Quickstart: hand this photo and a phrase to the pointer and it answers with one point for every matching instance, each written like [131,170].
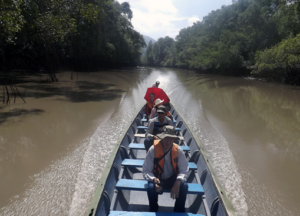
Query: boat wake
[50,190]
[216,147]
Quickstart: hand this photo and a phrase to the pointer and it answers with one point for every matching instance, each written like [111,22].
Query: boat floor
[139,202]
[140,154]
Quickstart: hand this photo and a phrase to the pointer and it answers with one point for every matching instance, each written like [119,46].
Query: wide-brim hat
[158,101]
[168,131]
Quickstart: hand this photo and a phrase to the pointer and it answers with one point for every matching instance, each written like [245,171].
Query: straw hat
[158,101]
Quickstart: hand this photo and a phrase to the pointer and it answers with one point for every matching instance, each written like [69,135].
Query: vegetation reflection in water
[280,112]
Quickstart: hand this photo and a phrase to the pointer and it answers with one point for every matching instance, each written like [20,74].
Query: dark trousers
[148,143]
[167,184]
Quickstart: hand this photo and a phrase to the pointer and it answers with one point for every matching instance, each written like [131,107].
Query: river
[54,148]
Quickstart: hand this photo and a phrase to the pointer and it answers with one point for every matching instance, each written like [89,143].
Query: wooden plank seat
[139,163]
[142,185]
[145,120]
[145,128]
[140,135]
[125,213]
[144,136]
[141,146]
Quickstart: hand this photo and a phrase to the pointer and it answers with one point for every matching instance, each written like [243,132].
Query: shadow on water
[93,86]
[76,91]
[4,116]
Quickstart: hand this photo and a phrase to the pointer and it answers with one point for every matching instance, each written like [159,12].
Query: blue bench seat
[124,213]
[145,128]
[141,146]
[139,163]
[142,185]
[142,127]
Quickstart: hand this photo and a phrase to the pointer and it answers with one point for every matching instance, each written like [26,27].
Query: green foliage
[227,40]
[11,19]
[126,10]
[281,62]
[156,53]
[84,34]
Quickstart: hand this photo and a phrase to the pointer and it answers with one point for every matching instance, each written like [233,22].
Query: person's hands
[175,189]
[155,137]
[157,187]
[156,181]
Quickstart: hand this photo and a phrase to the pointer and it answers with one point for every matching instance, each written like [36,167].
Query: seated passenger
[149,105]
[157,103]
[155,126]
[169,115]
[155,85]
[166,167]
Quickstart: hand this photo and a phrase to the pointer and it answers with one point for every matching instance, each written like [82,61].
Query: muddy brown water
[54,148]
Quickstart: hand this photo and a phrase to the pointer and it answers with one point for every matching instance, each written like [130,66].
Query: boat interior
[125,190]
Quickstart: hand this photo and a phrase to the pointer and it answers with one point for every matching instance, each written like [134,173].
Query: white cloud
[159,18]
[155,24]
[154,6]
[192,20]
[155,18]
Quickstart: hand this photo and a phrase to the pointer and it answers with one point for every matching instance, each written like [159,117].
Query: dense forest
[44,36]
[78,34]
[260,37]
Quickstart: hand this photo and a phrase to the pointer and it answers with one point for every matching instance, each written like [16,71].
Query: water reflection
[54,148]
[258,110]
[75,91]
[5,116]
[260,121]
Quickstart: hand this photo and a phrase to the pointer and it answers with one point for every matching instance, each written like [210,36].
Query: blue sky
[160,18]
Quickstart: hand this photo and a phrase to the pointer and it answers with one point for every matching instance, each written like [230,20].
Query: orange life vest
[168,114]
[158,153]
[150,105]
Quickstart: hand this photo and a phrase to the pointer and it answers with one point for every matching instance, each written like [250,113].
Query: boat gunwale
[219,188]
[99,190]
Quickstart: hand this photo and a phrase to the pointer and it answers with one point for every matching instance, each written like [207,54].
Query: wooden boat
[123,191]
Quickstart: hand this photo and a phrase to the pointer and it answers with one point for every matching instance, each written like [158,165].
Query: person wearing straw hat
[157,103]
[155,126]
[166,167]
